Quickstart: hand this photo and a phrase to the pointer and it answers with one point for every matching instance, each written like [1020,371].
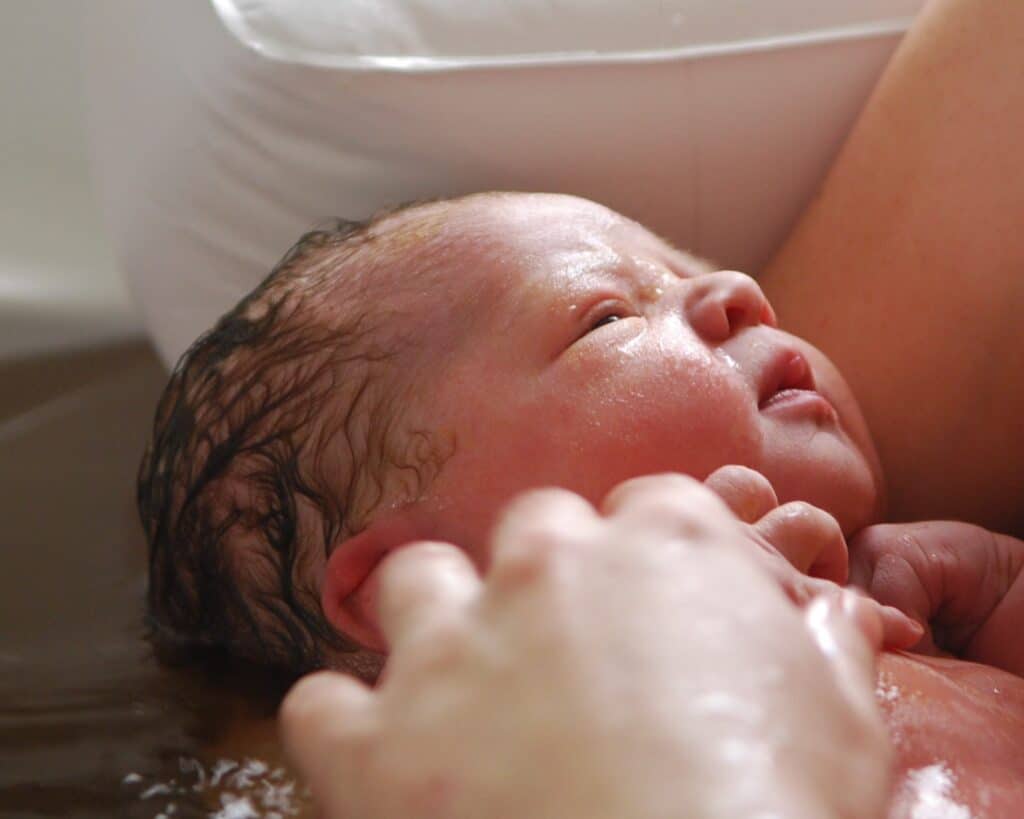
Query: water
[90,724]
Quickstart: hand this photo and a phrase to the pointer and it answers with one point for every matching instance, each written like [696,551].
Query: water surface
[90,724]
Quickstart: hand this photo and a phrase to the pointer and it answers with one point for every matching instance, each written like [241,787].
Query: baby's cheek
[688,413]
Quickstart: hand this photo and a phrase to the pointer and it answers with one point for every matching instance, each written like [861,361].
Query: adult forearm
[908,267]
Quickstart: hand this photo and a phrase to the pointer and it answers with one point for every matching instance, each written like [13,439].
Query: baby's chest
[958,730]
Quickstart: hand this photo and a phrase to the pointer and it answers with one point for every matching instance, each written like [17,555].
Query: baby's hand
[961,582]
[803,548]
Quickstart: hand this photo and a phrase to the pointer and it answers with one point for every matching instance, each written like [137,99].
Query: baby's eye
[601,322]
[602,315]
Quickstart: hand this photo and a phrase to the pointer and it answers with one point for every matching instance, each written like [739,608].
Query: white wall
[58,283]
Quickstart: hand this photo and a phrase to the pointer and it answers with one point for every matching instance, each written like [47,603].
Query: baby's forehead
[506,241]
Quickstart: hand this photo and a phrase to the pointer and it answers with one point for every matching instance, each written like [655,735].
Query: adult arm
[633,663]
[907,269]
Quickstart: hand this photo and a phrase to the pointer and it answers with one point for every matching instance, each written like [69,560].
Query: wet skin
[940,712]
[571,347]
[966,717]
[579,351]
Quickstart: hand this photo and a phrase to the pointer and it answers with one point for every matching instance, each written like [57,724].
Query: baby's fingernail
[916,631]
[911,624]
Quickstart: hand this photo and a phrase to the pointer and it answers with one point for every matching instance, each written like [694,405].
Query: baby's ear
[349,593]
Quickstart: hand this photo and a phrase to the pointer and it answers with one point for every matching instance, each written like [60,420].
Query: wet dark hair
[273,438]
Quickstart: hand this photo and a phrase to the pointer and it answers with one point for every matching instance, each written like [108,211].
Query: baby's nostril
[735,316]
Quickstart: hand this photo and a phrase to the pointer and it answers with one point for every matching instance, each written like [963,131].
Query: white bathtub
[59,288]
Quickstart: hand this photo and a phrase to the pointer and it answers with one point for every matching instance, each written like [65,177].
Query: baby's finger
[900,632]
[421,581]
[321,720]
[748,493]
[809,538]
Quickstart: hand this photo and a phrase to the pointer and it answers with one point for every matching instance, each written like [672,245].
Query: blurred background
[82,706]
[58,284]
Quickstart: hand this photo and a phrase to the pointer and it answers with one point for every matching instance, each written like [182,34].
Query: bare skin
[916,233]
[915,240]
[940,712]
[545,365]
[956,721]
[623,636]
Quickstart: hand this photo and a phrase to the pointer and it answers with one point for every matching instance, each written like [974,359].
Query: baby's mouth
[788,381]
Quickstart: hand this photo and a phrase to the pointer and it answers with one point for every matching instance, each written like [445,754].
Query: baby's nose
[720,304]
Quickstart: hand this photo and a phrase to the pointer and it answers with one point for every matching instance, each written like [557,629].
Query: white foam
[247,789]
[932,789]
[886,693]
[236,807]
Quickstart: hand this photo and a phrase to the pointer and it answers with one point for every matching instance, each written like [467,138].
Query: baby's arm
[961,582]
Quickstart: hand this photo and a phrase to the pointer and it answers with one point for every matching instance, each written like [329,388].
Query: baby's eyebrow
[695,264]
[689,264]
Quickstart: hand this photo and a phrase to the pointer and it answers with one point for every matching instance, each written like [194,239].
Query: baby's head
[401,379]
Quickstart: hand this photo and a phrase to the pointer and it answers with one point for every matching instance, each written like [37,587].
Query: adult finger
[676,502]
[321,720]
[848,631]
[900,632]
[809,538]
[533,528]
[849,635]
[422,581]
[747,492]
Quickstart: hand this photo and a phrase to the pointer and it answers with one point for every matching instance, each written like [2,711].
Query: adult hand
[629,662]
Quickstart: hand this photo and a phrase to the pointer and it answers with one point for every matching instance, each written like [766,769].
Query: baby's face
[589,351]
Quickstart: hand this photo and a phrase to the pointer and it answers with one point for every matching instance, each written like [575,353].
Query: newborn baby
[403,379]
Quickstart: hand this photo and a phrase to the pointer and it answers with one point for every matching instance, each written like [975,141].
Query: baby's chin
[847,488]
[838,469]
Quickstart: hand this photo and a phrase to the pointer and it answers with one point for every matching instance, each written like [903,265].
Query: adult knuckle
[544,504]
[647,486]
[670,497]
[685,486]
[450,632]
[539,532]
[442,645]
[544,514]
